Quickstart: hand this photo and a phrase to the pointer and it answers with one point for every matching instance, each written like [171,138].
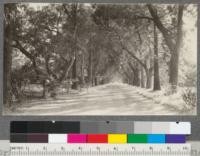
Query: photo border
[194,119]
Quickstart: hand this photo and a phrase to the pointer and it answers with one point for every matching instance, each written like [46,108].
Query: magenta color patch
[77,138]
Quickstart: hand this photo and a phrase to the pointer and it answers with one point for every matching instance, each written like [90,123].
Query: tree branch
[163,30]
[28,55]
[129,52]
[23,50]
[143,17]
[67,70]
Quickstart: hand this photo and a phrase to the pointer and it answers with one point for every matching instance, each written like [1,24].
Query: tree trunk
[174,47]
[74,70]
[74,75]
[142,78]
[7,74]
[148,72]
[148,78]
[44,89]
[82,70]
[156,85]
[136,77]
[66,71]
[8,63]
[90,69]
[126,75]
[174,61]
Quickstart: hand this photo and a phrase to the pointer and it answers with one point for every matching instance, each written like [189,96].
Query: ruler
[33,149]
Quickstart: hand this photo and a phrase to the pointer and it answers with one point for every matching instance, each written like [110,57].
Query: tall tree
[90,66]
[172,42]
[74,26]
[8,26]
[156,85]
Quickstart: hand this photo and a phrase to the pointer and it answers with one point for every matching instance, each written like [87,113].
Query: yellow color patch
[117,138]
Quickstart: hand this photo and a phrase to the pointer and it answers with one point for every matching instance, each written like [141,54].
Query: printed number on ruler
[19,149]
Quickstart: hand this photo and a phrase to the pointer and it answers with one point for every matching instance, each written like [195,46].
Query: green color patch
[137,138]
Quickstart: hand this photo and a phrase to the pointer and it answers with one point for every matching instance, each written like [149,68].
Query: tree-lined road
[110,99]
[69,45]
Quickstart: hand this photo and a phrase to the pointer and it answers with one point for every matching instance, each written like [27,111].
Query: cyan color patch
[156,138]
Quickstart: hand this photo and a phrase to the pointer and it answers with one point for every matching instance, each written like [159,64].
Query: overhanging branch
[128,51]
[160,26]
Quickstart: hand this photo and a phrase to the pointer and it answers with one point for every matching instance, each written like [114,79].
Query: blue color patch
[156,138]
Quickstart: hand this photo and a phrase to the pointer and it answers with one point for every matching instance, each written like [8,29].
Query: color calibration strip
[97,138]
[100,127]
[111,132]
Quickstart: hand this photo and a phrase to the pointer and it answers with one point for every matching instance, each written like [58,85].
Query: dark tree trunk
[44,89]
[148,72]
[126,75]
[82,70]
[8,61]
[136,77]
[90,69]
[74,68]
[174,61]
[142,78]
[49,71]
[74,75]
[7,71]
[148,78]
[156,85]
[174,47]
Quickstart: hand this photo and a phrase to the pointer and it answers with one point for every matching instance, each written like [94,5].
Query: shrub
[190,97]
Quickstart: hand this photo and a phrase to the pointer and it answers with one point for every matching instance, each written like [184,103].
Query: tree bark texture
[174,60]
[156,83]
[8,58]
[173,45]
[74,68]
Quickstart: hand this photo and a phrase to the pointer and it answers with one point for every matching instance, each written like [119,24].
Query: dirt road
[109,99]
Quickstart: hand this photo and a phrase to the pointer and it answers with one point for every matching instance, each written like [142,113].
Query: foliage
[80,42]
[190,97]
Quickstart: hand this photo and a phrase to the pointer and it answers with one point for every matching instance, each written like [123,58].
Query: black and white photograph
[100,59]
